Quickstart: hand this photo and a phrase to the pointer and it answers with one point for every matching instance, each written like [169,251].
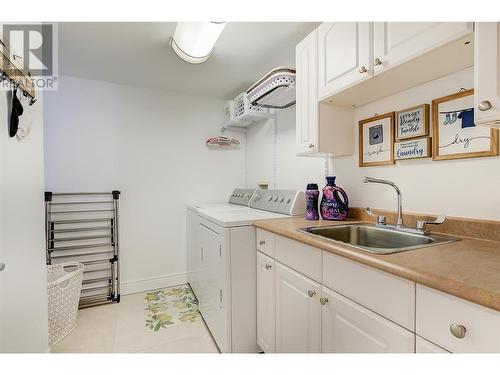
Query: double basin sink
[378,240]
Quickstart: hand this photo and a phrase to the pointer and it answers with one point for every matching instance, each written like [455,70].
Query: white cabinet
[397,42]
[307,94]
[350,328]
[298,312]
[322,129]
[487,74]
[424,346]
[266,303]
[344,55]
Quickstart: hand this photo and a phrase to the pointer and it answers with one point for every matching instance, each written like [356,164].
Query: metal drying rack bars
[83,227]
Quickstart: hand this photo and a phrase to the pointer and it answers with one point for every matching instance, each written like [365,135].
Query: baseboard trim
[143,285]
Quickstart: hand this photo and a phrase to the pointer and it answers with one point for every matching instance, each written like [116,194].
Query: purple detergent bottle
[334,203]
[312,197]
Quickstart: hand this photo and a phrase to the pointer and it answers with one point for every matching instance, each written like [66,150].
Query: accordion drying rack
[83,227]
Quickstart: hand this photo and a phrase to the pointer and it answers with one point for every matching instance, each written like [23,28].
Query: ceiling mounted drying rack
[12,71]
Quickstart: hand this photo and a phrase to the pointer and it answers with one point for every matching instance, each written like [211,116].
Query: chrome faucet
[367,180]
[421,227]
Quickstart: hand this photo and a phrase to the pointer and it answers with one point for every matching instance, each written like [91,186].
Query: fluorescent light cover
[194,41]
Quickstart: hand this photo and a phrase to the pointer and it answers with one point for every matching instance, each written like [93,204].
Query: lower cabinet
[298,312]
[266,303]
[350,328]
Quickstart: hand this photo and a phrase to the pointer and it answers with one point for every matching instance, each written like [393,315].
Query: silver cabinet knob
[458,331]
[268,266]
[262,242]
[484,106]
[311,293]
[311,145]
[377,62]
[323,300]
[363,69]
[2,266]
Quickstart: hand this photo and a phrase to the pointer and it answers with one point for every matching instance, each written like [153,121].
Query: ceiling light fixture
[194,41]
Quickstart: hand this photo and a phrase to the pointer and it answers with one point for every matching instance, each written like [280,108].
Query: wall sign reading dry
[455,135]
[412,122]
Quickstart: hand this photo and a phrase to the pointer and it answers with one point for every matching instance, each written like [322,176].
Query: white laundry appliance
[222,261]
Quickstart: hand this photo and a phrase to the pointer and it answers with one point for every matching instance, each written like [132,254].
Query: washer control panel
[241,196]
[287,202]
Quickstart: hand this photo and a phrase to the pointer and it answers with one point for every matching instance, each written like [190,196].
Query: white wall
[23,286]
[463,188]
[150,145]
[271,155]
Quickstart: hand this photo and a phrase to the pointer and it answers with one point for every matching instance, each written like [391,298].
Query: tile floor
[121,328]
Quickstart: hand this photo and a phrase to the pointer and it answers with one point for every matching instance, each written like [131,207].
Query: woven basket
[64,285]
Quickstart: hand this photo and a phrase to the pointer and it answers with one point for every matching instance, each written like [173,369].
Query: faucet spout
[367,180]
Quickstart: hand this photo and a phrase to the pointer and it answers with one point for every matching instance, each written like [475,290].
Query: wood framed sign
[412,122]
[413,149]
[455,135]
[376,140]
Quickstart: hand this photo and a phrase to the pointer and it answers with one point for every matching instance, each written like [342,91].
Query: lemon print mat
[170,306]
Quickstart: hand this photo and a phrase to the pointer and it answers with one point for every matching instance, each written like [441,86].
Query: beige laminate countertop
[469,269]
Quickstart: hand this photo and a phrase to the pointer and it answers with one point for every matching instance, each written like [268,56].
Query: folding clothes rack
[83,227]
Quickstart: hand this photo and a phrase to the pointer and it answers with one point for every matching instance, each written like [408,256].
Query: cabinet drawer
[388,295]
[265,242]
[301,257]
[437,312]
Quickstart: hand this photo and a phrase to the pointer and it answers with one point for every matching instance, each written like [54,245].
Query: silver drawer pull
[268,266]
[363,69]
[458,331]
[311,293]
[262,242]
[2,266]
[377,62]
[323,300]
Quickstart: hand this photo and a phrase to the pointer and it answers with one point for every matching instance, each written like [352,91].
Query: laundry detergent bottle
[312,197]
[334,203]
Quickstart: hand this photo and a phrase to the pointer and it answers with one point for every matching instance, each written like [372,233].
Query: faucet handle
[421,224]
[381,220]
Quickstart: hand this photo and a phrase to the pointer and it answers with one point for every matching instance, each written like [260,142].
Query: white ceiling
[139,54]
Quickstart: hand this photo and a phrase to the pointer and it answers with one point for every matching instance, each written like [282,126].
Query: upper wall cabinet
[397,42]
[344,55]
[321,129]
[487,74]
[307,94]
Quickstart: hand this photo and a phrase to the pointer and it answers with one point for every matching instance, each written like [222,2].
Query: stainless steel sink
[378,240]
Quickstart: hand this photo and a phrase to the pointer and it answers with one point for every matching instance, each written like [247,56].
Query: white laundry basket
[64,285]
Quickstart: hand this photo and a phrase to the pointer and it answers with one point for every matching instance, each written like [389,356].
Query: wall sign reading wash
[413,149]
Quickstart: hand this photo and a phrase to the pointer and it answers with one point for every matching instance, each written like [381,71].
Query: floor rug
[169,306]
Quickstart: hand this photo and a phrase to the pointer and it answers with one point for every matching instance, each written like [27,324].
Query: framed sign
[376,140]
[413,149]
[456,136]
[412,122]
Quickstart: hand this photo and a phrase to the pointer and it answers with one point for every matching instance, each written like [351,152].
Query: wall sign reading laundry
[413,149]
[456,136]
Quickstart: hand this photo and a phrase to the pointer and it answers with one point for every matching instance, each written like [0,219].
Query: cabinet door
[350,328]
[397,42]
[307,95]
[266,303]
[344,55]
[487,74]
[424,346]
[298,312]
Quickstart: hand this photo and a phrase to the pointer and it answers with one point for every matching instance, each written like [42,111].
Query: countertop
[469,269]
